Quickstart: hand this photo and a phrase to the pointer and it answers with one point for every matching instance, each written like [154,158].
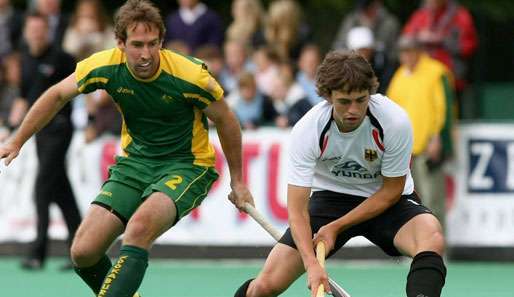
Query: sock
[126,275]
[94,275]
[426,276]
[241,292]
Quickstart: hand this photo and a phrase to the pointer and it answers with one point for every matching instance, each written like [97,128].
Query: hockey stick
[337,290]
[320,255]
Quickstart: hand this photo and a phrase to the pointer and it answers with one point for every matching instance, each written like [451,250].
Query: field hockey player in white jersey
[349,176]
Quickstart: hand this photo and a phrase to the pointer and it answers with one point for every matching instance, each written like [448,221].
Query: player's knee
[429,238]
[434,242]
[82,256]
[438,241]
[138,232]
[265,286]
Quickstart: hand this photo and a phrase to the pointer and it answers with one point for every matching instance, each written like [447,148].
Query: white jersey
[323,158]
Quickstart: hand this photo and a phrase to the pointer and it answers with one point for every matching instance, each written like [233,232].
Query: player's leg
[283,266]
[154,217]
[151,219]
[421,233]
[93,238]
[104,222]
[284,263]
[409,228]
[169,199]
[422,239]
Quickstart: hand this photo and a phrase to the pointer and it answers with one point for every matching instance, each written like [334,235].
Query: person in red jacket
[448,34]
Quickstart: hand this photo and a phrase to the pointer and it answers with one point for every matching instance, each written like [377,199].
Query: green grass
[174,278]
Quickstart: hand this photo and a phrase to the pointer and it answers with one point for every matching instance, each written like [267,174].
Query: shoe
[32,264]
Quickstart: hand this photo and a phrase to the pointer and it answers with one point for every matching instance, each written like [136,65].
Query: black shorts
[326,206]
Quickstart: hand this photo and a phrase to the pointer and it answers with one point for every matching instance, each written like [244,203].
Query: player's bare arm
[385,197]
[299,222]
[43,110]
[229,133]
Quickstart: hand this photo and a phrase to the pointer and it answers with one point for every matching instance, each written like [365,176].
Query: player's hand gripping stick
[337,290]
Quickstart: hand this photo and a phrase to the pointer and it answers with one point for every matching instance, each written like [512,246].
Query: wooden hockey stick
[320,255]
[337,290]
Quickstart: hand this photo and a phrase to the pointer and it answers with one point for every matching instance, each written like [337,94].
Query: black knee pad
[241,292]
[426,276]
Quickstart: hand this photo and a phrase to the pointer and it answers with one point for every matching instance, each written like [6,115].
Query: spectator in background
[447,33]
[103,116]
[422,86]
[361,40]
[90,31]
[289,99]
[42,66]
[371,14]
[212,57]
[181,47]
[252,108]
[248,19]
[57,20]
[285,31]
[266,68]
[195,24]
[307,65]
[9,91]
[236,61]
[11,22]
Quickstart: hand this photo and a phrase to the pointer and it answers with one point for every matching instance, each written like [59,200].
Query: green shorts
[131,181]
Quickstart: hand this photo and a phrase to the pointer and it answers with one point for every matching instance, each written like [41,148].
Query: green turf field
[177,278]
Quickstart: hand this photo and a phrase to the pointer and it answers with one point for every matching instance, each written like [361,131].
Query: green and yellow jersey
[162,115]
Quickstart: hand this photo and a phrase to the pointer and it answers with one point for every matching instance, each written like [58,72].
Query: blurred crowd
[265,58]
[266,61]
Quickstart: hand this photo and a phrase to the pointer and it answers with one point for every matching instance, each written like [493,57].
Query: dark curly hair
[345,71]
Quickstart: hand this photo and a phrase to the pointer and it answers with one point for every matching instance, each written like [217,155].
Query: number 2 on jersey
[172,183]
